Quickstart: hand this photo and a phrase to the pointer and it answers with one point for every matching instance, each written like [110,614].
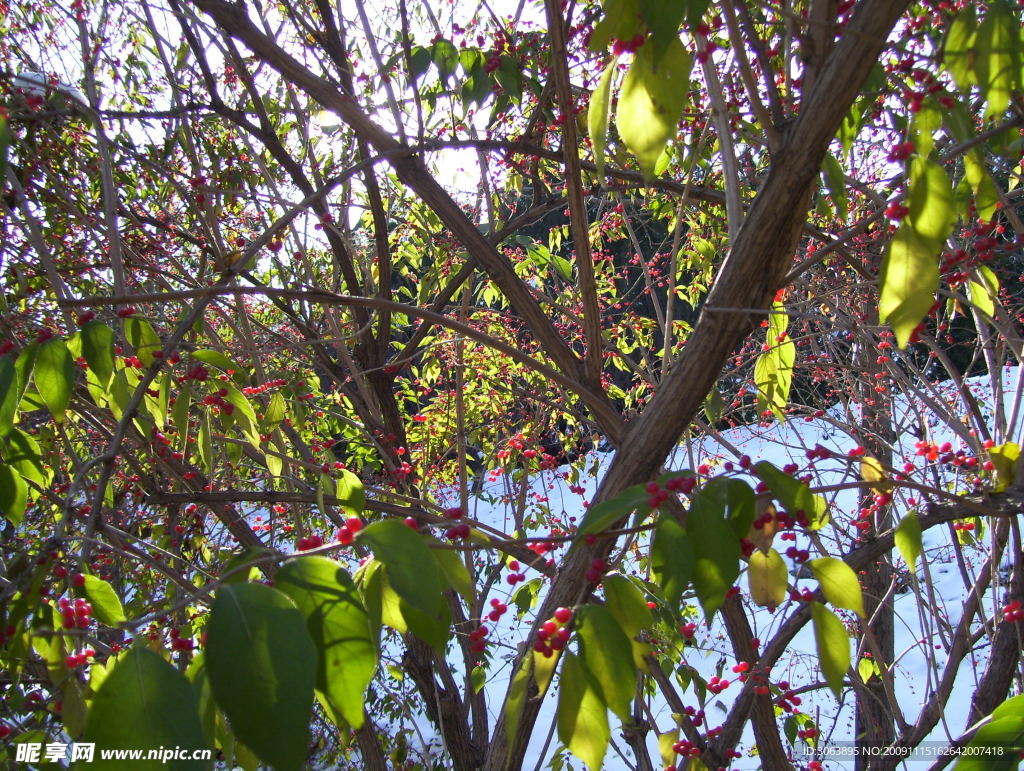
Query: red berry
[78,579]
[563,615]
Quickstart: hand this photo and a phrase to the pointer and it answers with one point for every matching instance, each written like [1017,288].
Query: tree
[284,407]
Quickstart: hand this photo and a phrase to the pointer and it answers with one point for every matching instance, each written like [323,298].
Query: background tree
[374,283]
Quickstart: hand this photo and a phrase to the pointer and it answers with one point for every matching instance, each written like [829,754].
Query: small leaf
[339,626]
[836,181]
[13,494]
[221,362]
[866,668]
[478,678]
[262,668]
[597,115]
[838,583]
[1004,458]
[608,657]
[243,414]
[909,278]
[98,350]
[833,643]
[672,559]
[908,538]
[145,702]
[651,101]
[582,715]
[54,374]
[106,605]
[767,578]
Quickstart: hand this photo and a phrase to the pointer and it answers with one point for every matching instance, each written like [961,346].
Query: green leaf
[931,202]
[455,573]
[838,583]
[597,115]
[908,538]
[13,494]
[275,413]
[997,744]
[143,338]
[866,668]
[621,21]
[478,678]
[262,668]
[835,180]
[984,292]
[582,715]
[1004,457]
[608,657]
[243,414]
[716,552]
[414,574]
[350,493]
[98,350]
[627,604]
[651,101]
[909,278]
[959,49]
[833,643]
[773,371]
[420,61]
[662,19]
[732,498]
[516,699]
[106,605]
[144,702]
[767,578]
[794,495]
[340,628]
[54,374]
[986,194]
[24,456]
[601,516]
[9,396]
[672,559]
[995,48]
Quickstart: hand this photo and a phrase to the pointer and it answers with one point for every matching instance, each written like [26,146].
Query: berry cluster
[554,633]
[309,542]
[498,609]
[254,390]
[75,614]
[1013,612]
[515,575]
[76,660]
[347,532]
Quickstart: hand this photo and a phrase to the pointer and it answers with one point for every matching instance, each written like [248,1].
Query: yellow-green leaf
[833,644]
[959,54]
[909,278]
[597,115]
[582,715]
[994,65]
[931,202]
[607,655]
[54,373]
[767,578]
[838,583]
[651,101]
[983,289]
[871,471]
[908,538]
